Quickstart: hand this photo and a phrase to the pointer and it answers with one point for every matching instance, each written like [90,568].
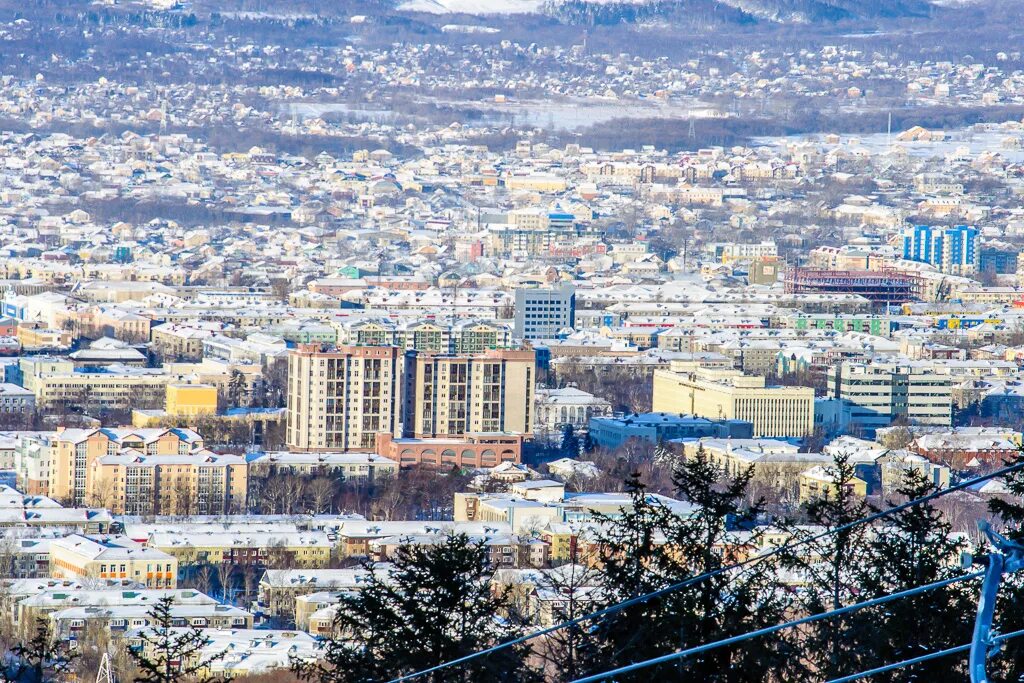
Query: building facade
[883,392]
[955,250]
[543,313]
[451,395]
[340,397]
[774,411]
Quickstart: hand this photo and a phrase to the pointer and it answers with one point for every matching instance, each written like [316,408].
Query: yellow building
[36,336]
[74,451]
[179,342]
[298,550]
[820,481]
[111,557]
[190,400]
[775,411]
[201,482]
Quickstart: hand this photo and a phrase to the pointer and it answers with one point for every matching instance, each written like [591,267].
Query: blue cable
[923,658]
[708,575]
[778,627]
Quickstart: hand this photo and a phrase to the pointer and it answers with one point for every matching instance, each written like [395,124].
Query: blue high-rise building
[951,250]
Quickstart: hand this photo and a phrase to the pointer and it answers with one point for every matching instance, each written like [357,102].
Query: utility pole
[106,673]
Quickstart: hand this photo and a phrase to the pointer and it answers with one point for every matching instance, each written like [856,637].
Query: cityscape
[511,341]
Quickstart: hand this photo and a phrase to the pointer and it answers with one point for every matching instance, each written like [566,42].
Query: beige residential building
[204,483]
[55,383]
[112,557]
[180,342]
[452,395]
[775,411]
[74,452]
[340,397]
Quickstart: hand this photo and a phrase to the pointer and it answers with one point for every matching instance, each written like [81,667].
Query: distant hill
[620,11]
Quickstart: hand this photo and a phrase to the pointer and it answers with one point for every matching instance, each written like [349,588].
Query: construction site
[882,287]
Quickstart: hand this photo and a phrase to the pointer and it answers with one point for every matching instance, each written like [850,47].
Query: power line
[923,658]
[778,627]
[711,574]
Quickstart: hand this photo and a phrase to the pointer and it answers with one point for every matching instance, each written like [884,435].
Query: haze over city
[516,341]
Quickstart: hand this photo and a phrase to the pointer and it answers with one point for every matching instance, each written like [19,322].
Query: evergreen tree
[39,660]
[653,546]
[166,654]
[434,604]
[833,647]
[913,548]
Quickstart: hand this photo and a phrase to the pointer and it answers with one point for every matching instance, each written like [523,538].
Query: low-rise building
[112,557]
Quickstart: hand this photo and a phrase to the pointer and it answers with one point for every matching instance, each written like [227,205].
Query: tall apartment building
[544,313]
[955,250]
[881,392]
[726,394]
[465,336]
[340,397]
[456,394]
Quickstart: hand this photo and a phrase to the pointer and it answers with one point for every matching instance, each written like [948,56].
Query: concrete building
[200,482]
[774,411]
[340,397]
[15,399]
[884,391]
[451,395]
[544,313]
[74,451]
[352,466]
[820,481]
[954,250]
[469,450]
[190,400]
[612,432]
[112,557]
[568,406]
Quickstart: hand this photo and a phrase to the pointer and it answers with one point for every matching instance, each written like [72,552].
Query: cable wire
[672,656]
[923,658]
[611,609]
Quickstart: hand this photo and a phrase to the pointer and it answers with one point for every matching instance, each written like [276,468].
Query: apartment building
[352,466]
[306,550]
[879,392]
[55,382]
[72,453]
[181,342]
[820,481]
[28,610]
[15,399]
[465,336]
[73,623]
[955,250]
[112,557]
[201,482]
[279,588]
[452,395]
[340,397]
[725,394]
